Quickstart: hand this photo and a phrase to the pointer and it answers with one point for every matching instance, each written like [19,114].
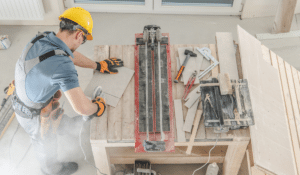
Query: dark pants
[45,148]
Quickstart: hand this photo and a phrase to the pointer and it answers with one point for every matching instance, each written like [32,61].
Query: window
[122,2]
[218,3]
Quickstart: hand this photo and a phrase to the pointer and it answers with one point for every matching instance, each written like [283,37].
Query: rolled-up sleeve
[66,76]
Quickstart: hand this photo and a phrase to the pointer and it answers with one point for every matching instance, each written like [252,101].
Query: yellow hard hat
[81,17]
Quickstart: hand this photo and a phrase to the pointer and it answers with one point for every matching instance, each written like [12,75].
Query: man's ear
[78,34]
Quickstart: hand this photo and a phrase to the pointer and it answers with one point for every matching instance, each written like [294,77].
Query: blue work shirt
[56,72]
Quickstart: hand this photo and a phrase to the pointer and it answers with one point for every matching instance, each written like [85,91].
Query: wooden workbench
[112,135]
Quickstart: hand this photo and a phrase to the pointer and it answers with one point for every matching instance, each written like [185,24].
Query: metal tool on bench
[206,52]
[189,85]
[152,33]
[143,167]
[188,54]
[225,112]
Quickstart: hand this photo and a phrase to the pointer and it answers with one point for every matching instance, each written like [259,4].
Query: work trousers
[45,148]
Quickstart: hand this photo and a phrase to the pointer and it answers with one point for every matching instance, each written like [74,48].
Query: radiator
[21,10]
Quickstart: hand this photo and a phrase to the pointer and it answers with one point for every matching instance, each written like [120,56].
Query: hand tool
[188,54]
[97,93]
[189,85]
[8,91]
[206,52]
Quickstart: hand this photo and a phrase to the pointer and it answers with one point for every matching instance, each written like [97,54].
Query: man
[45,67]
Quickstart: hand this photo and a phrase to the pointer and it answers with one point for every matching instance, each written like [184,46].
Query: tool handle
[179,74]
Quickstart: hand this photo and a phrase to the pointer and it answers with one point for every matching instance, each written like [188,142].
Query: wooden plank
[266,54]
[274,61]
[190,117]
[297,89]
[255,171]
[233,159]
[248,162]
[293,96]
[295,73]
[238,62]
[115,114]
[100,132]
[93,126]
[174,86]
[7,125]
[201,130]
[128,97]
[284,16]
[269,135]
[226,53]
[225,84]
[179,86]
[179,121]
[195,128]
[169,160]
[289,110]
[102,159]
[216,70]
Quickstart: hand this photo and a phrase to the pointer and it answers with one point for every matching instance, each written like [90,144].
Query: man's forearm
[82,61]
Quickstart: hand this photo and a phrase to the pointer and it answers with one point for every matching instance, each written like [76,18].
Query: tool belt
[23,110]
[49,114]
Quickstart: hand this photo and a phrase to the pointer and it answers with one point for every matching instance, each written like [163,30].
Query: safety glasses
[84,39]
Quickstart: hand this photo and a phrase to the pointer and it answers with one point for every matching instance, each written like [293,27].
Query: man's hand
[108,66]
[100,102]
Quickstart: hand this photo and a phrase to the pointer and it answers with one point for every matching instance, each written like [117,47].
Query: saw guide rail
[154,104]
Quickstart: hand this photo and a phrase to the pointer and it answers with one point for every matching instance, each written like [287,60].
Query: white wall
[262,8]
[53,8]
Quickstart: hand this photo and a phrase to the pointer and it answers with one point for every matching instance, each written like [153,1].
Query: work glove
[108,66]
[100,102]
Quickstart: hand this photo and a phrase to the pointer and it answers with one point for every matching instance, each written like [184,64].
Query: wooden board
[99,124]
[284,16]
[269,135]
[226,53]
[115,114]
[179,121]
[174,87]
[266,54]
[289,110]
[190,117]
[195,128]
[127,99]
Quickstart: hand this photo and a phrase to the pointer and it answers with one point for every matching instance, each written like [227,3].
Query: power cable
[80,143]
[208,156]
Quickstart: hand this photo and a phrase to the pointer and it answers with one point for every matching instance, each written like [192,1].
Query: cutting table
[112,135]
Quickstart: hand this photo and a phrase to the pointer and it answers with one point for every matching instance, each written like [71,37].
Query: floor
[119,29]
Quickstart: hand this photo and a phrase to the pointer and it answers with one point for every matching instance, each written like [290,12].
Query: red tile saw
[154,129]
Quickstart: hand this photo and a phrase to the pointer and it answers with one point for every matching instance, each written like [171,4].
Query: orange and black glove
[100,102]
[108,66]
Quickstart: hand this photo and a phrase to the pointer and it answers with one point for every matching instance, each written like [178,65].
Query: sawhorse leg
[234,157]
[102,160]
